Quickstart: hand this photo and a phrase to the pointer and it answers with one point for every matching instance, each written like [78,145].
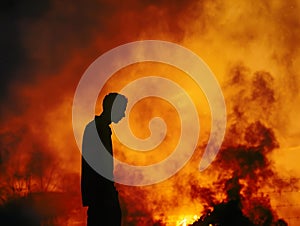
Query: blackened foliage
[225,214]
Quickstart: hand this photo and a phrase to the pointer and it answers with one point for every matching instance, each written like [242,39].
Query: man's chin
[116,120]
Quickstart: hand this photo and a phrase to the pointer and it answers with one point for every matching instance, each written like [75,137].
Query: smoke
[244,171]
[252,48]
[243,166]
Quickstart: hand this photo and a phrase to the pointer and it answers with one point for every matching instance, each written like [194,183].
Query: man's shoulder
[91,123]
[90,127]
[98,124]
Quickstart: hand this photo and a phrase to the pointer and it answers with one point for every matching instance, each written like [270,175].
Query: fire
[178,220]
[182,223]
[253,49]
[187,220]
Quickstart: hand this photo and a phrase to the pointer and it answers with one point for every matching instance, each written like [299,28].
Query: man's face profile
[118,110]
[114,106]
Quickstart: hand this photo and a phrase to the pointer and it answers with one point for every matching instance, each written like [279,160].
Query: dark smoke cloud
[243,168]
[41,36]
[13,55]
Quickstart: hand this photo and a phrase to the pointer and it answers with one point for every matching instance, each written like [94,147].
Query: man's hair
[109,99]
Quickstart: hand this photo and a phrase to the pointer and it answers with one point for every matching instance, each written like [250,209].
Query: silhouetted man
[98,192]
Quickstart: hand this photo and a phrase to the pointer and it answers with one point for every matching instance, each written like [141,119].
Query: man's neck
[105,119]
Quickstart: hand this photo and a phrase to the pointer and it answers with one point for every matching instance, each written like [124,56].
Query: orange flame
[252,49]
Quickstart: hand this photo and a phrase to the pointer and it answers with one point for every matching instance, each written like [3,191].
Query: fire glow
[187,220]
[252,49]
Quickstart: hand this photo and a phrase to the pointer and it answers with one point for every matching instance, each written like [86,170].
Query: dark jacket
[96,189]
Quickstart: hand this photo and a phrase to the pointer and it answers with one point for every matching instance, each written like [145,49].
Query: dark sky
[38,38]
[13,53]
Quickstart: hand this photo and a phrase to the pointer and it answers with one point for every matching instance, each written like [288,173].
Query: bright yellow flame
[186,220]
[183,222]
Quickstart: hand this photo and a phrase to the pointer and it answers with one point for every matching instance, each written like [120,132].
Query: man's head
[114,106]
